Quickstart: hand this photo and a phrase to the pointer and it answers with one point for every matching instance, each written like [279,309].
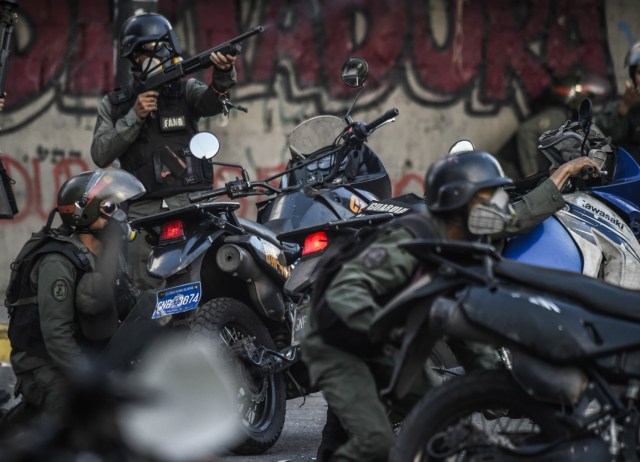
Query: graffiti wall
[454,69]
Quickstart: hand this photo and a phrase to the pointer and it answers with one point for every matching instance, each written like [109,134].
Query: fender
[167,261]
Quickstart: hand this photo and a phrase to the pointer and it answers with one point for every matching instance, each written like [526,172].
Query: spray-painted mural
[455,68]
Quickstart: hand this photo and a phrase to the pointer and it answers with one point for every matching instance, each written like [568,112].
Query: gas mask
[117,228]
[157,55]
[492,216]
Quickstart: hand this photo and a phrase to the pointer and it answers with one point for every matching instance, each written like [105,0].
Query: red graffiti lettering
[507,51]
[576,38]
[91,68]
[32,197]
[381,46]
[34,68]
[448,67]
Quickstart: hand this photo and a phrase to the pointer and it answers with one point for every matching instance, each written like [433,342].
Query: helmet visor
[113,185]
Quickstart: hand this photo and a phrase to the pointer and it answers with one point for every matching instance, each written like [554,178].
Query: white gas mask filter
[492,216]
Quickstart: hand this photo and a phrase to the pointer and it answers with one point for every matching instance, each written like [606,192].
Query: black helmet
[572,89]
[145,28]
[80,196]
[453,181]
[631,61]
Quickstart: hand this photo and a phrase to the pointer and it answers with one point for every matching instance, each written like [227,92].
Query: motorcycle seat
[595,295]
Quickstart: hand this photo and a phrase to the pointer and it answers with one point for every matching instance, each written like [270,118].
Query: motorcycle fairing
[167,260]
[547,325]
[547,245]
[596,215]
[609,247]
[308,207]
[585,237]
[625,185]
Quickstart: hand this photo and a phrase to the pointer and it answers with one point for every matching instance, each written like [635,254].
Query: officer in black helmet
[465,201]
[148,133]
[620,119]
[69,286]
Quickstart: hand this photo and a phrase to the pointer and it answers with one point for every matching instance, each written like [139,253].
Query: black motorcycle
[226,275]
[570,390]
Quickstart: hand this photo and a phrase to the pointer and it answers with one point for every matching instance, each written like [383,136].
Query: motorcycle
[597,233]
[225,275]
[571,391]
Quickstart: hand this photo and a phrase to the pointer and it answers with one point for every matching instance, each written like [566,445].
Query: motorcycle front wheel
[261,397]
[480,416]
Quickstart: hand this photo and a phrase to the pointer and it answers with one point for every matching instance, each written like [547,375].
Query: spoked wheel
[480,416]
[261,397]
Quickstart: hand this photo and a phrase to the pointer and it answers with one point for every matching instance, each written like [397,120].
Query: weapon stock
[8,23]
[196,63]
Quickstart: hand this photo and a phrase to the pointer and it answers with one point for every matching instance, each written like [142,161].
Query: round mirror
[355,71]
[585,113]
[204,145]
[461,146]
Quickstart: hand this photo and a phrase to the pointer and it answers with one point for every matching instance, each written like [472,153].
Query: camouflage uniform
[623,130]
[519,156]
[39,379]
[358,291]
[113,138]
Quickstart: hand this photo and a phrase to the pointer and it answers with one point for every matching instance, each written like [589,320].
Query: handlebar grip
[202,195]
[390,114]
[587,171]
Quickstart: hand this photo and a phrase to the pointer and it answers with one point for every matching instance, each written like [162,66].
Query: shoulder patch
[59,290]
[375,257]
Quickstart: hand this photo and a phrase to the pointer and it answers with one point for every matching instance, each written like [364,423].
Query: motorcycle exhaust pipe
[237,261]
[264,293]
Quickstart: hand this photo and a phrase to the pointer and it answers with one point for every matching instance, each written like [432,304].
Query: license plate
[177,299]
[300,319]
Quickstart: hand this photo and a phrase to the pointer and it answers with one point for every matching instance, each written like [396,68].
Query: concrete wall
[455,69]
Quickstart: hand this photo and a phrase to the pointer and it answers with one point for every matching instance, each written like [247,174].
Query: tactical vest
[21,299]
[345,248]
[157,157]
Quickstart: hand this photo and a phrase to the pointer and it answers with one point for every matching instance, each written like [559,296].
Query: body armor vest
[24,319]
[24,330]
[157,157]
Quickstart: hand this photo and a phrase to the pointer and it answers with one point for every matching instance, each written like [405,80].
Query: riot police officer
[69,286]
[620,119]
[465,200]
[148,133]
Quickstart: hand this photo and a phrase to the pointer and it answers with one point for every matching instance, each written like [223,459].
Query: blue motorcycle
[597,232]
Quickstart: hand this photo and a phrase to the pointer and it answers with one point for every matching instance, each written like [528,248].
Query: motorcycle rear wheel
[474,413]
[261,399]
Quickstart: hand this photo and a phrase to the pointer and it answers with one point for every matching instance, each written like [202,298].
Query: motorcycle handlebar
[202,195]
[390,114]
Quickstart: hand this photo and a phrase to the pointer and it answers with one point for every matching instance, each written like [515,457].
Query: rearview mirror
[355,71]
[461,146]
[584,115]
[204,145]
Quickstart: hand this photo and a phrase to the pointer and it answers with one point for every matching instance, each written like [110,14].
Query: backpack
[566,143]
[343,249]
[46,240]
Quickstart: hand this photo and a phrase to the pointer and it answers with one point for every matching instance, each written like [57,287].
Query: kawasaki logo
[602,214]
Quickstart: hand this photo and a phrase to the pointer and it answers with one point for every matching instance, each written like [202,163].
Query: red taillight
[172,230]
[315,243]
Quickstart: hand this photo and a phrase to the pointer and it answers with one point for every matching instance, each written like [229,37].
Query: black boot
[333,436]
